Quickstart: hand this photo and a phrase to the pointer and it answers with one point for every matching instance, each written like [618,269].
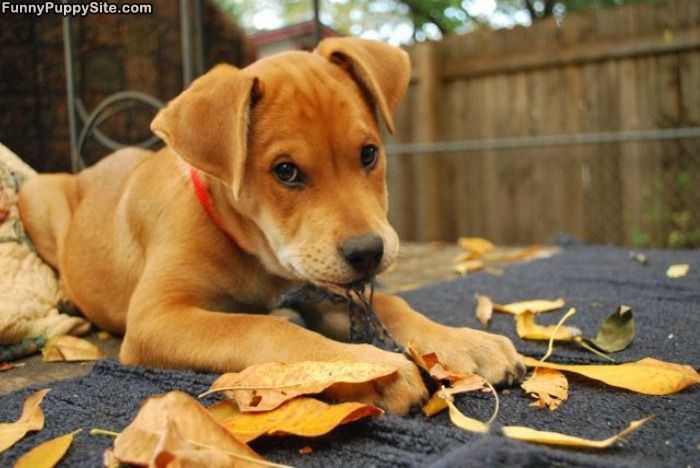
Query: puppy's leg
[167,331]
[462,349]
[46,204]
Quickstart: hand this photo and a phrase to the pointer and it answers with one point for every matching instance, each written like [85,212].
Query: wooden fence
[617,69]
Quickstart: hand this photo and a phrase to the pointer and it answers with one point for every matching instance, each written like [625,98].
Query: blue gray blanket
[593,279]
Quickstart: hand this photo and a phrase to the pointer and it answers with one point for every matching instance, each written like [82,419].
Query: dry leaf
[548,386]
[677,271]
[70,348]
[469,266]
[476,244]
[32,419]
[140,442]
[303,416]
[529,330]
[47,454]
[616,332]
[648,376]
[465,422]
[6,366]
[266,386]
[305,450]
[435,405]
[484,309]
[457,381]
[174,451]
[526,434]
[536,306]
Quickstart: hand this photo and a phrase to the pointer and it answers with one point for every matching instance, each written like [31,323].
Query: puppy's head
[296,140]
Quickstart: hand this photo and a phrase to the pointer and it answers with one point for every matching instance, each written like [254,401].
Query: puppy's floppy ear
[207,124]
[382,70]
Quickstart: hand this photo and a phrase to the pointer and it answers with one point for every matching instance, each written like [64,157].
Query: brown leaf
[529,330]
[266,386]
[648,376]
[32,419]
[70,348]
[536,306]
[548,386]
[484,309]
[47,454]
[6,366]
[303,416]
[166,420]
[174,451]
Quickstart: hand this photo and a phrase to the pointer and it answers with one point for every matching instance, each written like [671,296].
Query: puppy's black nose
[363,253]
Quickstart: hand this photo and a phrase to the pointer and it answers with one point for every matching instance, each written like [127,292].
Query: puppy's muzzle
[363,253]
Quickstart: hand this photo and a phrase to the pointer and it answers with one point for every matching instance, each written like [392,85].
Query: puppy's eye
[368,156]
[288,174]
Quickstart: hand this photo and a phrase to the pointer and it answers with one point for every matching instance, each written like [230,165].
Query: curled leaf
[616,332]
[677,271]
[31,419]
[266,386]
[529,330]
[47,454]
[548,386]
[536,306]
[484,309]
[303,416]
[143,440]
[456,382]
[526,434]
[462,421]
[648,376]
[70,348]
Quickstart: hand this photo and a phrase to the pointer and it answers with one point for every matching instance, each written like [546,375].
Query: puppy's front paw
[396,393]
[466,350]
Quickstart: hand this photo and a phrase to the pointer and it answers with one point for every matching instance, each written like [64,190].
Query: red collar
[204,197]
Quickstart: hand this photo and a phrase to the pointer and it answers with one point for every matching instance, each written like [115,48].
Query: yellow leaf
[648,376]
[677,271]
[47,454]
[435,405]
[554,438]
[548,386]
[484,309]
[529,330]
[536,306]
[468,266]
[465,422]
[303,416]
[266,386]
[175,421]
[32,419]
[70,348]
[476,244]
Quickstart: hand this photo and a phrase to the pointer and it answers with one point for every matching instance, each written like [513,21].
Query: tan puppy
[289,149]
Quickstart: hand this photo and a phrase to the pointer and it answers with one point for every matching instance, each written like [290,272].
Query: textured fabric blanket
[29,290]
[594,279]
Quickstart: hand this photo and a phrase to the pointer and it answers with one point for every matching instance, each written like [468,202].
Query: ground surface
[419,264]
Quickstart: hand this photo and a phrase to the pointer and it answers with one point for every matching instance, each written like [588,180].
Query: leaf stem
[550,346]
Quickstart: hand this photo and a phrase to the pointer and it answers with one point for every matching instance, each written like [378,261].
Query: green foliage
[422,19]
